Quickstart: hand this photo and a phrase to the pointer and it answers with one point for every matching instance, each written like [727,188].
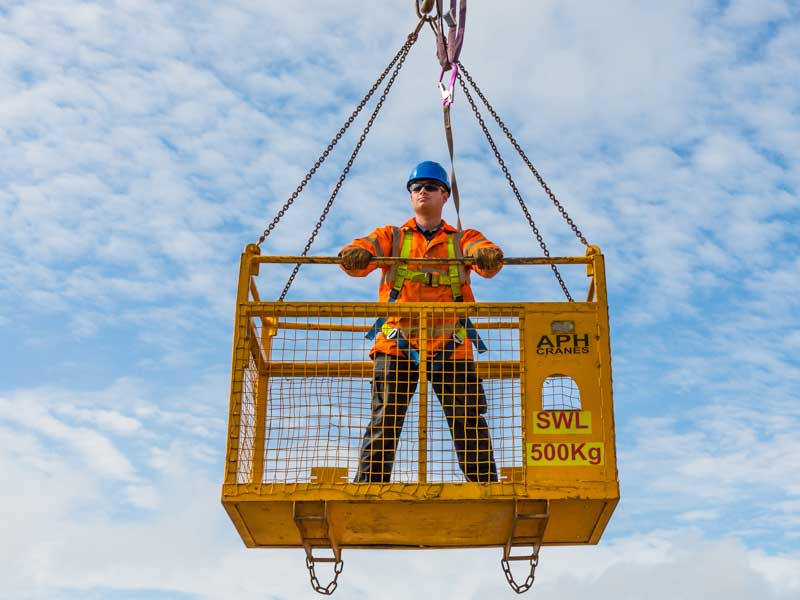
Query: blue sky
[145,143]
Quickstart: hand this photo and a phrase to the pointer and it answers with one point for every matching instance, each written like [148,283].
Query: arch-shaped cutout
[560,392]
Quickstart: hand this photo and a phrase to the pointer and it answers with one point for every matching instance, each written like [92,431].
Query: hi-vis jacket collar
[444,226]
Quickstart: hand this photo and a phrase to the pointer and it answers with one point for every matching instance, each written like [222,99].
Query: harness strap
[466,330]
[448,134]
[392,272]
[453,279]
[456,274]
[393,333]
[453,271]
[402,269]
[472,334]
[378,324]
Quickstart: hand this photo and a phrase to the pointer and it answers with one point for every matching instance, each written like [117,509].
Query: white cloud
[107,419]
[724,463]
[97,451]
[699,515]
[747,13]
[143,496]
[144,144]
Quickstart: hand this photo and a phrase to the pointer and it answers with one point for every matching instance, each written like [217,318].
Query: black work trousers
[463,402]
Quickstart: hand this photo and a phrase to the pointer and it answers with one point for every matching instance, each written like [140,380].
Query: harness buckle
[392,334]
[458,339]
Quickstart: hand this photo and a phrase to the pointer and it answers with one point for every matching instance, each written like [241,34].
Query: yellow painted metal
[486,369]
[393,260]
[422,430]
[557,472]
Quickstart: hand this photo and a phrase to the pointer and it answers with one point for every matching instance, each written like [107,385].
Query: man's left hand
[488,259]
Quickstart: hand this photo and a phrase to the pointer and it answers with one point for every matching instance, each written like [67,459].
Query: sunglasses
[427,186]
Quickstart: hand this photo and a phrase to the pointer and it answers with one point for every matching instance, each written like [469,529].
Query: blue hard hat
[429,170]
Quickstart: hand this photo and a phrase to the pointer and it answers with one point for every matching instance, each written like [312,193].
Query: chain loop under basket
[318,587]
[521,588]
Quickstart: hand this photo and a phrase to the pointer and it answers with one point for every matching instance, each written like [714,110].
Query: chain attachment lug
[527,529]
[311,519]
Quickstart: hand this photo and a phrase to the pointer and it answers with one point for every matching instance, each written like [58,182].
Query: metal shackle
[424,7]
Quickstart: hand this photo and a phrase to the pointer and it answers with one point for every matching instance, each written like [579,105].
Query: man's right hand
[355,259]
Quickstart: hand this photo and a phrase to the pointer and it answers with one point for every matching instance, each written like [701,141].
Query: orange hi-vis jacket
[427,283]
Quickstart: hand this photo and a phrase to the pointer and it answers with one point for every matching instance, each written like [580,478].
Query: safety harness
[464,328]
[434,279]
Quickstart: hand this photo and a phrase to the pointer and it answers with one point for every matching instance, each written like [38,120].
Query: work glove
[488,259]
[355,259]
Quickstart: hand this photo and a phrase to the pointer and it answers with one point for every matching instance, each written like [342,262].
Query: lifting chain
[412,38]
[400,55]
[524,587]
[521,152]
[513,185]
[331,587]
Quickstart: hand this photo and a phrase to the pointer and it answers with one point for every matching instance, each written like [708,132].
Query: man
[450,365]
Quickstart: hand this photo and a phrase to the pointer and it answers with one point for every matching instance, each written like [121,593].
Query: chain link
[521,152]
[524,587]
[331,587]
[404,54]
[513,185]
[403,50]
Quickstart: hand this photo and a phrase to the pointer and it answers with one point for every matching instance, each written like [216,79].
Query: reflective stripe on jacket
[386,241]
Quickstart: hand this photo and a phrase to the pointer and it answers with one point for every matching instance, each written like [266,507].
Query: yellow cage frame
[544,502]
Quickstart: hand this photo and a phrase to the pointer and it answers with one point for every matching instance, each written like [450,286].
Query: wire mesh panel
[435,397]
[474,422]
[318,395]
[247,421]
[560,392]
